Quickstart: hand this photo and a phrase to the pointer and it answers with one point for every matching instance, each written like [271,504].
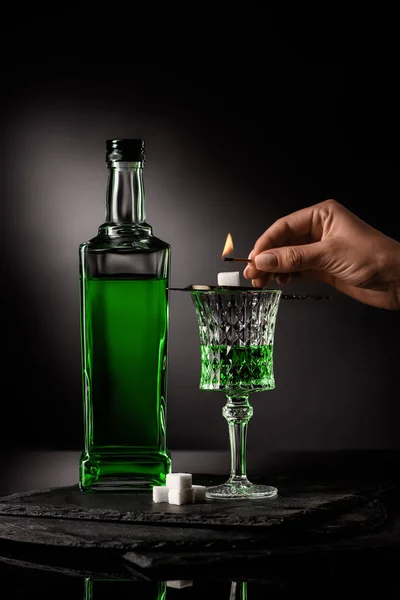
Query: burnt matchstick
[234,259]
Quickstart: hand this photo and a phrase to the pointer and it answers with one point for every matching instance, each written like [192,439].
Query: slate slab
[289,509]
[119,533]
[137,551]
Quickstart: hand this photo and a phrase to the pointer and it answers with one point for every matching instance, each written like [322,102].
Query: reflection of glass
[236,330]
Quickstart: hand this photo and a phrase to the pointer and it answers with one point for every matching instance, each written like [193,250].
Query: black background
[245,120]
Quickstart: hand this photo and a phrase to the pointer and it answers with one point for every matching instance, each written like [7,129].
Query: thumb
[291,258]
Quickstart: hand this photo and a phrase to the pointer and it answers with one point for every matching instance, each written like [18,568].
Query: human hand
[327,242]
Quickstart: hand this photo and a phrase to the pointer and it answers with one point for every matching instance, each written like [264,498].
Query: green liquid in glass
[243,368]
[124,334]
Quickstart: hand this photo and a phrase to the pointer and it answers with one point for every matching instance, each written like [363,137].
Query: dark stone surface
[126,535]
[350,543]
[319,526]
[288,509]
[141,552]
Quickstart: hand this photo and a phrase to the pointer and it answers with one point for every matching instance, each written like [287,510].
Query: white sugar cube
[160,493]
[199,493]
[182,496]
[179,481]
[229,278]
[179,583]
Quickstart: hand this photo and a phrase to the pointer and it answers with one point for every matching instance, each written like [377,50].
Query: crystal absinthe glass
[236,330]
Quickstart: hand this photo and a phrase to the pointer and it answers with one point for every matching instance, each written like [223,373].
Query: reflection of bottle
[124,273]
[119,589]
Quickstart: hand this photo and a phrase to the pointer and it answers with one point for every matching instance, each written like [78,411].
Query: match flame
[228,248]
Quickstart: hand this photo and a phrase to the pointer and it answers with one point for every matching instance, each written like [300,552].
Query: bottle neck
[125,194]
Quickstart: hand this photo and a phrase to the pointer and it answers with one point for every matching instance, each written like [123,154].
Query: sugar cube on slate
[229,278]
[199,493]
[160,493]
[179,489]
[182,496]
[179,481]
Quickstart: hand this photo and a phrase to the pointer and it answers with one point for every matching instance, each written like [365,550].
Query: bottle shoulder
[134,243]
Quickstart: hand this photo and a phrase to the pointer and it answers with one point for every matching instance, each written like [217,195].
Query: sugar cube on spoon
[231,278]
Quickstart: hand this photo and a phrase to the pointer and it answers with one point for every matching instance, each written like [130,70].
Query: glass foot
[241,490]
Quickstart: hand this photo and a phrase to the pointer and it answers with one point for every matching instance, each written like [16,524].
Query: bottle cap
[122,150]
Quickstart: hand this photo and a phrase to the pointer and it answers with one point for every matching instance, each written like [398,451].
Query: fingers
[280,278]
[291,230]
[283,278]
[251,272]
[298,228]
[263,280]
[290,259]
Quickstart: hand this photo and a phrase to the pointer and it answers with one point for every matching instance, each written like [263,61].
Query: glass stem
[238,412]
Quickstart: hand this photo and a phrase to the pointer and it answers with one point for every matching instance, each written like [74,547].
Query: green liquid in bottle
[124,370]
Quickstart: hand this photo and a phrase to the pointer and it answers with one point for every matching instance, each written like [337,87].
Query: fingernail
[266,262]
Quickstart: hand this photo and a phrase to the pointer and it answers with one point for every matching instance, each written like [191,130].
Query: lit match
[228,248]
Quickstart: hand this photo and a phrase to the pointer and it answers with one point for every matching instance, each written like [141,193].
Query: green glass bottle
[124,278]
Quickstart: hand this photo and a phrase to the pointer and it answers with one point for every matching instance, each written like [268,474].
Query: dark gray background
[234,141]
